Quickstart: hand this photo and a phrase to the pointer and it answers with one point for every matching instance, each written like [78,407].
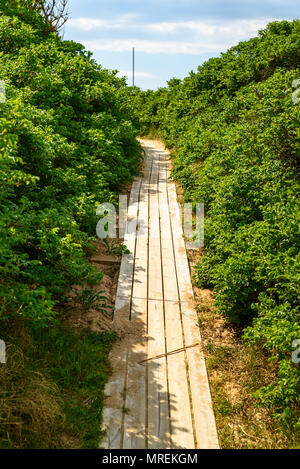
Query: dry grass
[30,403]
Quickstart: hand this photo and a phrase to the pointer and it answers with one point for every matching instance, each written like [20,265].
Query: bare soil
[79,316]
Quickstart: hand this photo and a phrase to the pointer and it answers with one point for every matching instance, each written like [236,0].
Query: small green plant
[118,249]
[94,300]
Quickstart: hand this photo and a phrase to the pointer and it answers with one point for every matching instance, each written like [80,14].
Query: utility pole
[133,67]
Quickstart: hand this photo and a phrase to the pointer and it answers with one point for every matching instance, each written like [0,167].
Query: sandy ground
[80,316]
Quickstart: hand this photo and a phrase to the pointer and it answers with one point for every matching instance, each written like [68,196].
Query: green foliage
[67,144]
[235,131]
[96,300]
[116,248]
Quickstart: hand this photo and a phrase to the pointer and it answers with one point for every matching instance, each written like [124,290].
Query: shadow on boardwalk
[151,428]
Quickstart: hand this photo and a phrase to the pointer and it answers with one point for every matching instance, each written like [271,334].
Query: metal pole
[133,67]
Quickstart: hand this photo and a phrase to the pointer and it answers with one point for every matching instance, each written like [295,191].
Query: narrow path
[158,395]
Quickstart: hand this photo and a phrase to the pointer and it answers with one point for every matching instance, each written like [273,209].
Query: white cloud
[156,47]
[231,28]
[205,27]
[88,24]
[128,74]
[200,36]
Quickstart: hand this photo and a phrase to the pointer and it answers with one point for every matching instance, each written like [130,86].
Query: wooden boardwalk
[158,395]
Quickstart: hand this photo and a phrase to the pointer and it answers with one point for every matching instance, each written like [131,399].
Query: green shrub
[235,130]
[67,144]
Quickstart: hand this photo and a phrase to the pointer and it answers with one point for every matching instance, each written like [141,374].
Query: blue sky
[171,37]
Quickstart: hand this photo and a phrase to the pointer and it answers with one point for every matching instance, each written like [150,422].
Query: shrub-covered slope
[235,131]
[67,143]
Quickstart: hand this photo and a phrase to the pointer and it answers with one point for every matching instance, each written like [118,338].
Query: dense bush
[67,143]
[235,131]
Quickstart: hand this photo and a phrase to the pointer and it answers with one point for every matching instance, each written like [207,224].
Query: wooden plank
[158,403]
[126,270]
[140,282]
[181,419]
[167,253]
[105,260]
[205,425]
[134,430]
[114,390]
[135,402]
[112,413]
[112,418]
[155,290]
[204,420]
[184,279]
